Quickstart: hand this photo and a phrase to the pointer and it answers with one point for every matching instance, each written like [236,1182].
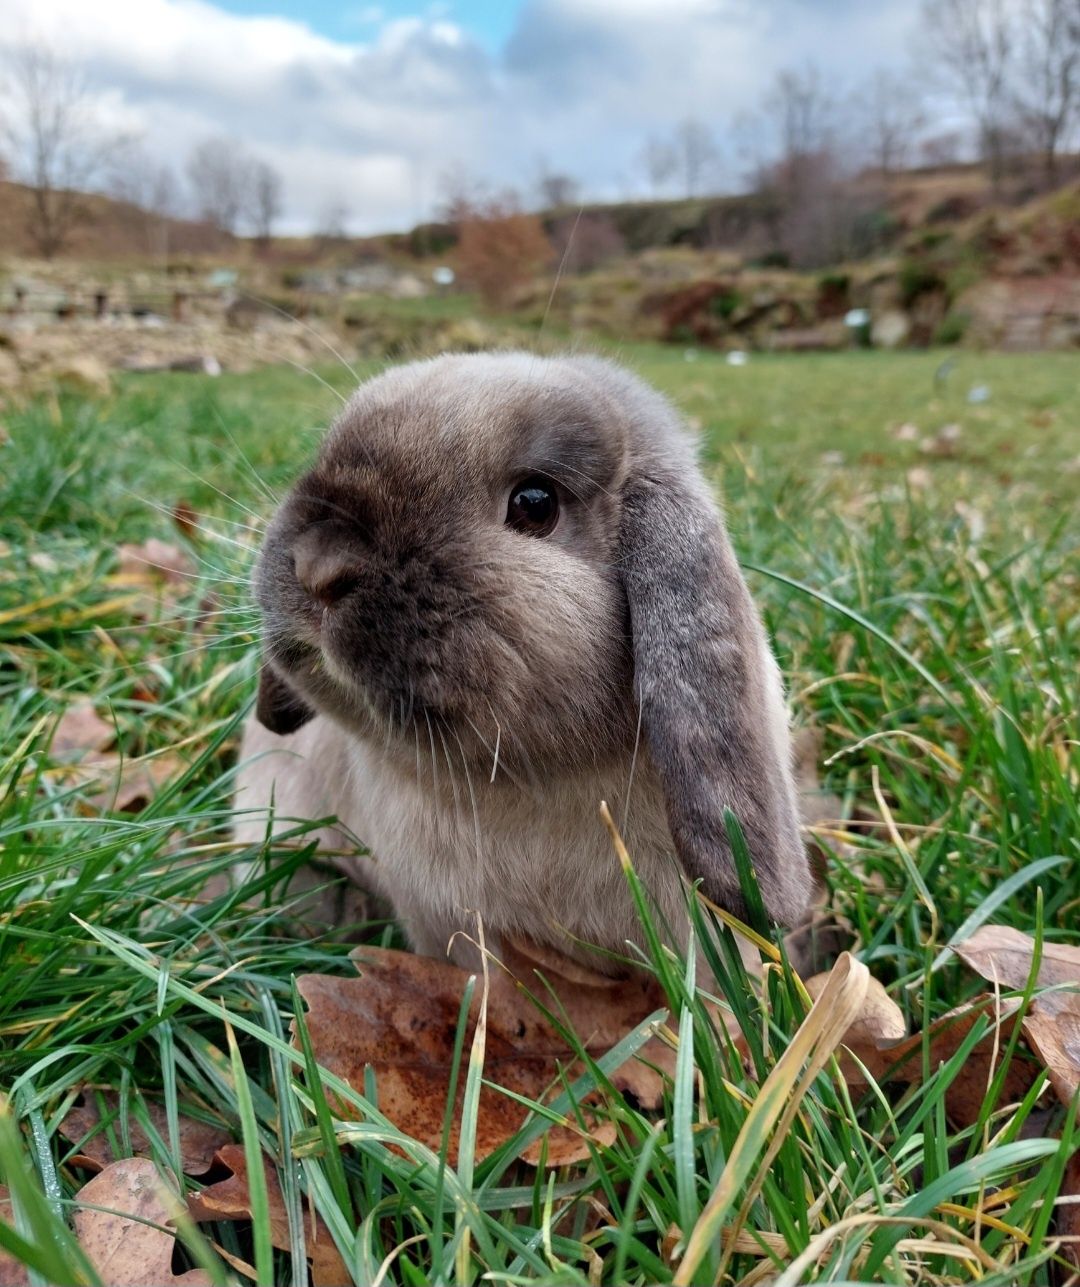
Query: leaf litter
[110,780]
[230,1199]
[86,1126]
[399,1017]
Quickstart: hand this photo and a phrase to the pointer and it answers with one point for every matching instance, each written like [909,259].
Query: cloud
[373,123]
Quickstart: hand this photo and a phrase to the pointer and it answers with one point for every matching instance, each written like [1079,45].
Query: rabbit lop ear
[711,704]
[279,707]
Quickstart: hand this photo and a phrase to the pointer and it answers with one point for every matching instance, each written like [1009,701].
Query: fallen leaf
[816,805]
[125,1251]
[1005,956]
[13,1273]
[880,1022]
[198,1141]
[125,785]
[155,562]
[80,731]
[230,1199]
[400,1018]
[878,1040]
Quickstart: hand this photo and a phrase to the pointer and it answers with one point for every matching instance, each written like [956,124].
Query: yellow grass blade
[777,1103]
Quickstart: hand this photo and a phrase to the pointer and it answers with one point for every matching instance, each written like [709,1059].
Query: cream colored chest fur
[445,846]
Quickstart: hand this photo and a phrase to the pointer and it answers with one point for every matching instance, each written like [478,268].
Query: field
[910,528]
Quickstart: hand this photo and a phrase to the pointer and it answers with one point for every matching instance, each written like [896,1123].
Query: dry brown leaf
[816,805]
[878,1040]
[155,563]
[125,1251]
[880,1023]
[1005,956]
[400,1018]
[125,785]
[231,1200]
[13,1273]
[81,731]
[966,1096]
[198,1141]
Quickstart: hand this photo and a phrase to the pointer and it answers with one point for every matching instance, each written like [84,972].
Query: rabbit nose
[325,571]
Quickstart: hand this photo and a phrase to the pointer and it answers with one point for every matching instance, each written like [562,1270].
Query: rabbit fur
[461,695]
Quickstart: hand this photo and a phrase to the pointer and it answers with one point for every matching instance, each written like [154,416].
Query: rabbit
[503,594]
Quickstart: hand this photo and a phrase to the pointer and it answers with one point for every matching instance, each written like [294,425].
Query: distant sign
[443,276]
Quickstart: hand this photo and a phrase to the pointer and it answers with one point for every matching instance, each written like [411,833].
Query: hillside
[105,230]
[111,229]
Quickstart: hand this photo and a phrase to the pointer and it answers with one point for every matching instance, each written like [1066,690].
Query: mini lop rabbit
[502,595]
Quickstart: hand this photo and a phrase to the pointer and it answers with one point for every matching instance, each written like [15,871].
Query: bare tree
[696,153]
[331,227]
[972,44]
[459,193]
[802,111]
[659,160]
[266,200]
[139,179]
[555,189]
[58,143]
[1047,85]
[219,173]
[811,207]
[890,113]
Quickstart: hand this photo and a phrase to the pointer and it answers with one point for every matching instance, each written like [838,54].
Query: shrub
[915,278]
[725,303]
[500,247]
[951,329]
[584,242]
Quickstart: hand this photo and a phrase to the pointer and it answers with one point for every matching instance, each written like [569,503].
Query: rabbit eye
[533,507]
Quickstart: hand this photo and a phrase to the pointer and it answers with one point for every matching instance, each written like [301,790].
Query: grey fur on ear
[712,708]
[279,707]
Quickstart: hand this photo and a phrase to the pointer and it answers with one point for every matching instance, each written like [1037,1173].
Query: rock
[198,364]
[890,330]
[83,375]
[1024,314]
[808,339]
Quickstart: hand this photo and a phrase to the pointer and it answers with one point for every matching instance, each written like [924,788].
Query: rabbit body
[503,595]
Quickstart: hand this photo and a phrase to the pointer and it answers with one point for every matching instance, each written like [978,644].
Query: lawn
[909,525]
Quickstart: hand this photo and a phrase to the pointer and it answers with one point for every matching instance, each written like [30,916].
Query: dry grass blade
[823,1029]
[949,1243]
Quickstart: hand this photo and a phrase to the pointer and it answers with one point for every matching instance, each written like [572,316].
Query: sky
[366,107]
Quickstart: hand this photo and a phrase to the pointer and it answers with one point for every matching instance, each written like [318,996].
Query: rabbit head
[521,554]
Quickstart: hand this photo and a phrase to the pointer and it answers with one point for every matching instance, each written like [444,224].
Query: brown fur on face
[400,607]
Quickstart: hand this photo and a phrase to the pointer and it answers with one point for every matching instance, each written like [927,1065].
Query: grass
[925,610]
